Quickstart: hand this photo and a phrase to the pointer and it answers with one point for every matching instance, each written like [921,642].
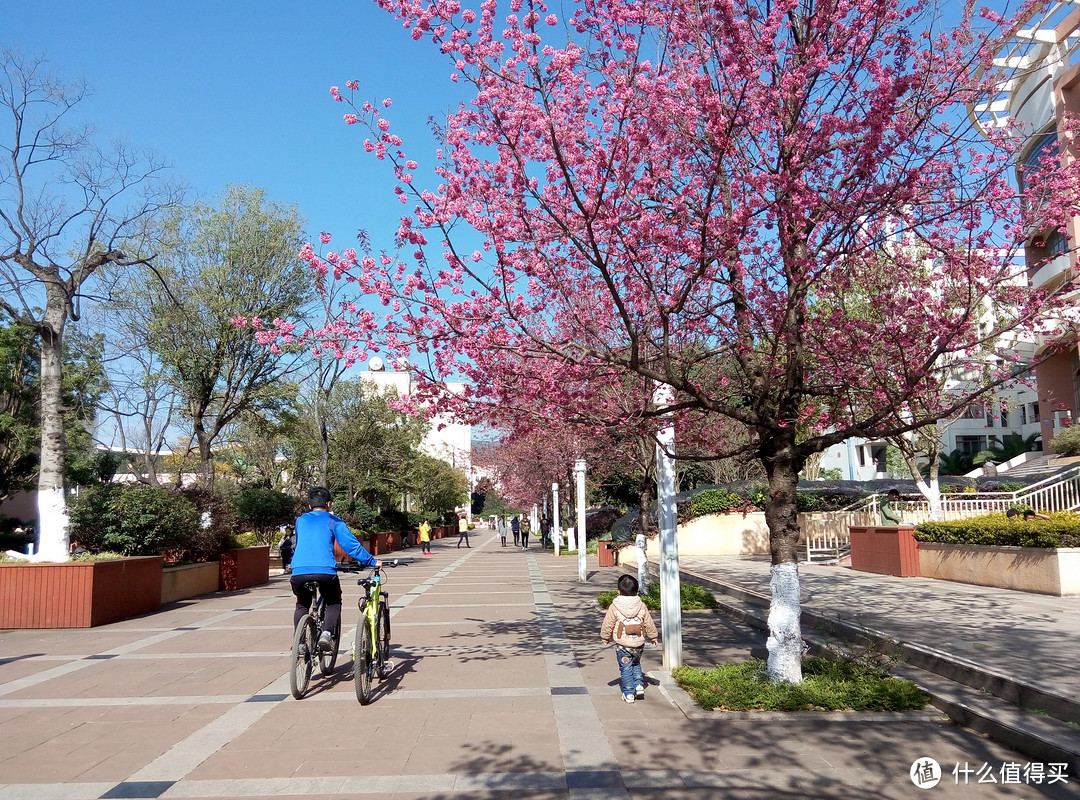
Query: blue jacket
[316,532]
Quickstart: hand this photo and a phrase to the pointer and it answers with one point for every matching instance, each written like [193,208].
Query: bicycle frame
[372,647]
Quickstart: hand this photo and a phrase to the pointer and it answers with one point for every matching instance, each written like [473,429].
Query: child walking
[629,623]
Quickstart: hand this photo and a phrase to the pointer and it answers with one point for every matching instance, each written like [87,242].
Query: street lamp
[556,531]
[579,473]
[670,600]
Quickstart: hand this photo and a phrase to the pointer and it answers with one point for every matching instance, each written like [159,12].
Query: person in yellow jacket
[425,538]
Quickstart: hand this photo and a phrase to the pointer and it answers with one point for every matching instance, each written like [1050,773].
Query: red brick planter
[244,567]
[885,550]
[78,595]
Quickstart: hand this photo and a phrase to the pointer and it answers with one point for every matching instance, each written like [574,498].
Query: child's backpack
[628,627]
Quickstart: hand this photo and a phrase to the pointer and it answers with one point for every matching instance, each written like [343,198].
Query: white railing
[1060,492]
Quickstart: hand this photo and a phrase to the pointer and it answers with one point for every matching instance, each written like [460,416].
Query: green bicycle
[371,654]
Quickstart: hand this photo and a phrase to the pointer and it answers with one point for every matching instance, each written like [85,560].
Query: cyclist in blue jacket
[313,560]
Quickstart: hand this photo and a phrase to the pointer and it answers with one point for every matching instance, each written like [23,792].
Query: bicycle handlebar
[397,562]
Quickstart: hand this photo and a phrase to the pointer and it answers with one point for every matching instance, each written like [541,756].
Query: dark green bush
[263,510]
[217,521]
[717,501]
[133,520]
[1061,530]
[359,516]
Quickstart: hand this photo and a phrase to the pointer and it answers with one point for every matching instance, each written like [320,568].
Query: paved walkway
[500,690]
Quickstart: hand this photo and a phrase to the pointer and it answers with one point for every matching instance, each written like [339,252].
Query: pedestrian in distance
[463,532]
[628,623]
[286,550]
[515,528]
[425,537]
[526,528]
[501,525]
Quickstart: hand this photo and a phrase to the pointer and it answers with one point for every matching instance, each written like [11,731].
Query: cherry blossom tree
[777,208]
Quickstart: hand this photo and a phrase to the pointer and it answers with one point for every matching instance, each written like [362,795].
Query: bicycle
[305,647]
[371,653]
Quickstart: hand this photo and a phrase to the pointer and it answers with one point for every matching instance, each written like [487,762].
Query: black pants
[329,587]
[463,535]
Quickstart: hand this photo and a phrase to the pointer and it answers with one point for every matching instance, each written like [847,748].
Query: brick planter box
[1025,569]
[78,595]
[189,580]
[885,550]
[244,567]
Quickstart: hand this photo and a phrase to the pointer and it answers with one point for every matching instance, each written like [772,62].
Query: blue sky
[237,91]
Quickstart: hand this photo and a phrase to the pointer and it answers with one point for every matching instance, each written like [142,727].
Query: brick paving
[500,690]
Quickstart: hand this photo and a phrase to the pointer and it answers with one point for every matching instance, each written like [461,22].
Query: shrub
[692,597]
[217,521]
[263,510]
[827,686]
[1067,441]
[598,524]
[1061,530]
[717,501]
[133,520]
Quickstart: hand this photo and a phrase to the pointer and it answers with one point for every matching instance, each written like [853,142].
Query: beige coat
[627,606]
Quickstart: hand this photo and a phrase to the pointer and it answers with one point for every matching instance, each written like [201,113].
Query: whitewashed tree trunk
[785,642]
[931,490]
[52,511]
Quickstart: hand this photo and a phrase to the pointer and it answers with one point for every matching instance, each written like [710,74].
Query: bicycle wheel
[362,660]
[328,658]
[303,652]
[382,641]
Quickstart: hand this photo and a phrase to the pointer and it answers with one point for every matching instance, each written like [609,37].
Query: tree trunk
[785,642]
[206,456]
[52,511]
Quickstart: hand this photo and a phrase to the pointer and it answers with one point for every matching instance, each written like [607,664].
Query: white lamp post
[556,531]
[670,600]
[579,472]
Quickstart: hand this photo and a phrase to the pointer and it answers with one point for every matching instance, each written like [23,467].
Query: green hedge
[1061,530]
[132,520]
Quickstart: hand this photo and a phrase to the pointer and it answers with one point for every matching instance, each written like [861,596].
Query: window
[1041,157]
[970,444]
[976,411]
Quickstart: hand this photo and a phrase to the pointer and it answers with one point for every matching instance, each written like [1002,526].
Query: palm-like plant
[1009,446]
[958,462]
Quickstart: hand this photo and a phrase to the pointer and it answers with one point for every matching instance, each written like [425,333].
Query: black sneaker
[326,641]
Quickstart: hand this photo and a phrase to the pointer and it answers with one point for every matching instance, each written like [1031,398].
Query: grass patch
[691,597]
[827,686]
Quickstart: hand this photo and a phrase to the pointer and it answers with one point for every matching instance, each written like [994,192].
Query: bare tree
[67,208]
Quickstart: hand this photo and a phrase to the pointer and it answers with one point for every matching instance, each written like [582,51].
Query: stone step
[1035,721]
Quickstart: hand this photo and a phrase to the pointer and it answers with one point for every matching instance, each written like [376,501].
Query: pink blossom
[350,119]
[324,237]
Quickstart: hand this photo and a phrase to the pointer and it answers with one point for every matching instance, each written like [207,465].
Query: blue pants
[630,676]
